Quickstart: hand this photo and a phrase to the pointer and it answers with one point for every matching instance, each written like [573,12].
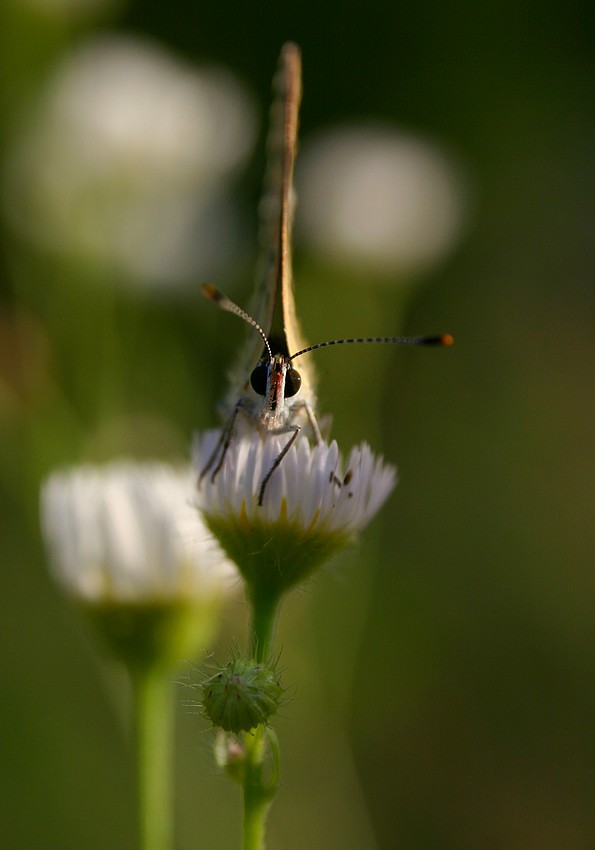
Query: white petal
[308,478]
[129,531]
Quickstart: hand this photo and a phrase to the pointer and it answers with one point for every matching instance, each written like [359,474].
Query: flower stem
[265,607]
[153,707]
[255,806]
[258,791]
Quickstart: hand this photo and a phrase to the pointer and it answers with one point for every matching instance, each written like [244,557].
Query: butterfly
[267,392]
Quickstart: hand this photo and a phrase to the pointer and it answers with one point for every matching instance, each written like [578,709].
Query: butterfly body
[267,393]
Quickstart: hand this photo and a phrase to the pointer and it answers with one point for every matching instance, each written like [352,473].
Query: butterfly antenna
[221,300]
[440,339]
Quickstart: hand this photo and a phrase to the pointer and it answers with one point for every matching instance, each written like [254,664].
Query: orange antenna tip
[210,291]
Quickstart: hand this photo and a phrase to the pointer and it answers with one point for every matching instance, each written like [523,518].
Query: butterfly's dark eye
[293,381]
[258,379]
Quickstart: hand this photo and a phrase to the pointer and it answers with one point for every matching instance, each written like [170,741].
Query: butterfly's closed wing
[273,304]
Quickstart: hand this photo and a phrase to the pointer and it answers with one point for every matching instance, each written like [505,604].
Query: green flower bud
[242,695]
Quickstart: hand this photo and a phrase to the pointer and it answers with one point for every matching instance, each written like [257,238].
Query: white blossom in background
[129,533]
[126,160]
[379,199]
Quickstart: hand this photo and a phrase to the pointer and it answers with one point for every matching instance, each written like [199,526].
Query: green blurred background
[442,678]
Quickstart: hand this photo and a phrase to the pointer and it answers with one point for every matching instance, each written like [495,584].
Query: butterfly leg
[312,422]
[334,479]
[278,460]
[316,431]
[222,446]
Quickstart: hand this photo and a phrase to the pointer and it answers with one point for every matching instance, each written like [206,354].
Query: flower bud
[242,695]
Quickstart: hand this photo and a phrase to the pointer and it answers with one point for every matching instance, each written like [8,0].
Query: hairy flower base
[313,504]
[275,555]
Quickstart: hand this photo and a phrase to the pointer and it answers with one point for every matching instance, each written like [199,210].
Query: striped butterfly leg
[222,446]
[279,459]
[313,422]
[314,427]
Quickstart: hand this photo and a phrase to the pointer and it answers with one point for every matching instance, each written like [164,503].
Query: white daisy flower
[125,541]
[127,160]
[378,198]
[128,532]
[314,503]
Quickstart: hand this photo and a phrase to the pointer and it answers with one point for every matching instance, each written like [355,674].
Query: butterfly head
[275,379]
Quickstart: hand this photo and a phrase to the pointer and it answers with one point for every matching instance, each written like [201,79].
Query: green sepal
[274,556]
[154,633]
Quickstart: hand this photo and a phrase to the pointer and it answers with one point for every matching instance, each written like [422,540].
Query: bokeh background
[442,678]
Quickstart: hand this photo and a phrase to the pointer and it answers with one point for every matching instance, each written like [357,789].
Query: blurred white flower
[127,159]
[379,199]
[127,533]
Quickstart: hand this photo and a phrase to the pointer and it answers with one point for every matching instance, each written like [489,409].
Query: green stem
[153,708]
[258,791]
[265,607]
[255,804]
